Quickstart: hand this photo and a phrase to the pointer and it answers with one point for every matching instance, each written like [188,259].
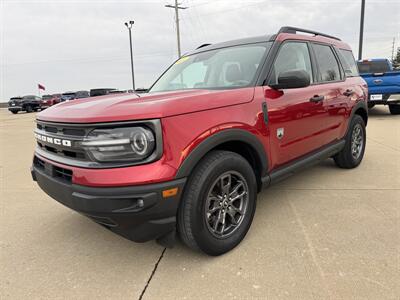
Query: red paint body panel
[113,108]
[190,117]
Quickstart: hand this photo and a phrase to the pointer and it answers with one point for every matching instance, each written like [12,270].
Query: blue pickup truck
[383,83]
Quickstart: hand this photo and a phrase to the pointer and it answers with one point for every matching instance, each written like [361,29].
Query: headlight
[120,144]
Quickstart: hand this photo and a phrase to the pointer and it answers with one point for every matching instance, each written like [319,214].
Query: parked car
[27,103]
[14,104]
[49,100]
[220,124]
[67,96]
[383,83]
[81,94]
[117,92]
[101,91]
[57,95]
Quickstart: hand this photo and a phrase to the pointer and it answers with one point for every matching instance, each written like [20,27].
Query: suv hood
[112,108]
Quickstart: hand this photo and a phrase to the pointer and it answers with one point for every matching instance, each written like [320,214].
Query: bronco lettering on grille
[55,141]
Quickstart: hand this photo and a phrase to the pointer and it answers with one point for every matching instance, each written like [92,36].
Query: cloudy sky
[75,45]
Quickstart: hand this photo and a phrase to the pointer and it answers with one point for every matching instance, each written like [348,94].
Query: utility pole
[129,26]
[360,43]
[177,8]
[393,49]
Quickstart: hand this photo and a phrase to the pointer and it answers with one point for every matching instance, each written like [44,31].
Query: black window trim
[344,71]
[275,52]
[342,76]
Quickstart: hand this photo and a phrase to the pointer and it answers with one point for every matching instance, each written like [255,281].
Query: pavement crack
[311,249]
[152,274]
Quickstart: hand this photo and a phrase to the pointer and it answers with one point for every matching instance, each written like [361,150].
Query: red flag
[41,87]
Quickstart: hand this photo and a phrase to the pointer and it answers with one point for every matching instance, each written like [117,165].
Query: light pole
[129,26]
[360,42]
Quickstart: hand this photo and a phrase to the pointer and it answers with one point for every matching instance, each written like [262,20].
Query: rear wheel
[353,151]
[218,204]
[394,109]
[14,112]
[28,108]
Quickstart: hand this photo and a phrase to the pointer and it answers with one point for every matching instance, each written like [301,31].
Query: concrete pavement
[325,233]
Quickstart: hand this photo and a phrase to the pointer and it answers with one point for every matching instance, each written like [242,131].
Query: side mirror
[292,80]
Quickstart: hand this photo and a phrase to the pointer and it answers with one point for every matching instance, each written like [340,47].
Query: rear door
[337,92]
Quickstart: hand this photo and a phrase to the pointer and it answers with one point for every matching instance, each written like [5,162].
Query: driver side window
[292,56]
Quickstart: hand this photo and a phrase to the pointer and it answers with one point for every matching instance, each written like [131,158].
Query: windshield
[373,66]
[231,67]
[29,97]
[46,97]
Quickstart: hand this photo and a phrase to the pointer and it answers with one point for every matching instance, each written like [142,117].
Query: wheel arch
[239,141]
[361,109]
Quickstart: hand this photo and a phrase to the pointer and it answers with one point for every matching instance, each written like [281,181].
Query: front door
[297,117]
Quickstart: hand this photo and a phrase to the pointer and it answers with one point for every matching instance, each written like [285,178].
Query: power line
[177,8]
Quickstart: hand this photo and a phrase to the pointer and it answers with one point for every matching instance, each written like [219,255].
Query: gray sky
[74,45]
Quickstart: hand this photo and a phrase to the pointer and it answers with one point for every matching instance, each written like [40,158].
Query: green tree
[396,60]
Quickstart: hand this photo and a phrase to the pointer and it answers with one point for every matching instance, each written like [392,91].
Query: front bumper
[138,213]
[15,108]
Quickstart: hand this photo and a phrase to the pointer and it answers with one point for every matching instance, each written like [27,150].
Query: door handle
[317,98]
[348,93]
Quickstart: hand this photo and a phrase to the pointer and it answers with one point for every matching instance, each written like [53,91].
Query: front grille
[62,173]
[61,132]
[52,170]
[39,163]
[61,142]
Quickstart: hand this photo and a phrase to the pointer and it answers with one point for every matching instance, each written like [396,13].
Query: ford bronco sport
[191,155]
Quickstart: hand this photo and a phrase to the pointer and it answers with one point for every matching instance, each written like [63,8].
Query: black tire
[371,105]
[394,109]
[346,158]
[28,109]
[14,112]
[193,220]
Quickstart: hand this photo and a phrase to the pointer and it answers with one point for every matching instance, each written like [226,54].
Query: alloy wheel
[226,204]
[357,141]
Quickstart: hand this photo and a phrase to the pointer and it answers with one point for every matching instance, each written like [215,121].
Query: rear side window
[327,63]
[377,66]
[292,56]
[348,63]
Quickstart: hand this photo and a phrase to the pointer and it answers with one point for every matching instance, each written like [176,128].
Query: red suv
[221,123]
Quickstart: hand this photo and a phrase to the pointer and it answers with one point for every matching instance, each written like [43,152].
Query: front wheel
[394,109]
[353,152]
[218,204]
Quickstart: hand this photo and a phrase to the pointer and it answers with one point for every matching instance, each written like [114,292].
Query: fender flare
[360,104]
[226,135]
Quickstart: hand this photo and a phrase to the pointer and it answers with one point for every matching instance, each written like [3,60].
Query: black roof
[259,39]
[244,41]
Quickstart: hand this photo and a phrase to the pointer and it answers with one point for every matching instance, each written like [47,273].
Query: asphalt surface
[325,233]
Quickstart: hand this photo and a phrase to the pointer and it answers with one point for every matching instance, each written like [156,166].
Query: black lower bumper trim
[15,108]
[139,213]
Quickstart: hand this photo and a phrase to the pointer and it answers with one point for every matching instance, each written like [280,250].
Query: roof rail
[203,45]
[294,30]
